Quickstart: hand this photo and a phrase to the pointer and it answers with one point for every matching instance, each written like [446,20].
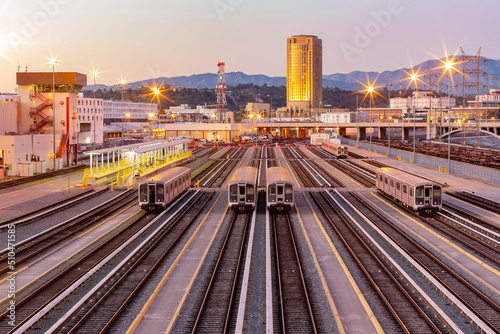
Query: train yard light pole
[53,62]
[370,90]
[414,77]
[448,65]
[94,75]
[122,84]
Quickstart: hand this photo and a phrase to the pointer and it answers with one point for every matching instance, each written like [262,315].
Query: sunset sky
[140,40]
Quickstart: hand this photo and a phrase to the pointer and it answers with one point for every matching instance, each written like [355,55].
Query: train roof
[328,142]
[278,174]
[244,174]
[169,174]
[405,177]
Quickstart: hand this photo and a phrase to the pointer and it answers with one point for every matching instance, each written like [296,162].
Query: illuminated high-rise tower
[304,82]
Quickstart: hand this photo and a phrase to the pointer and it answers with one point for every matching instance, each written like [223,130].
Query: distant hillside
[348,81]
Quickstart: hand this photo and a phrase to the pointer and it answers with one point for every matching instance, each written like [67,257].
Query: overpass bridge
[433,129]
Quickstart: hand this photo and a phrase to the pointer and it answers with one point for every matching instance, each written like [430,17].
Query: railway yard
[345,259]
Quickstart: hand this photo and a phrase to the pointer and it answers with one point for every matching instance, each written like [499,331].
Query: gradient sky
[140,40]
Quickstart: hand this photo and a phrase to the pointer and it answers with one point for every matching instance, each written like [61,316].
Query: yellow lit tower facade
[304,75]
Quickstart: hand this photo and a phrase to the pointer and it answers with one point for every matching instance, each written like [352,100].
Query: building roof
[140,147]
[46,78]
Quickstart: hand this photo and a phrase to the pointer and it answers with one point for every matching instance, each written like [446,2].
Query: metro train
[158,193]
[338,150]
[279,189]
[242,189]
[411,191]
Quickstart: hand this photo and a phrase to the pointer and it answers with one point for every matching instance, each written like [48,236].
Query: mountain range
[345,81]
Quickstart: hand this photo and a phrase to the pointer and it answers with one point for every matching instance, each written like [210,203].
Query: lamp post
[370,89]
[389,117]
[53,62]
[173,118]
[94,75]
[357,118]
[390,120]
[156,91]
[414,77]
[448,66]
[123,129]
[122,83]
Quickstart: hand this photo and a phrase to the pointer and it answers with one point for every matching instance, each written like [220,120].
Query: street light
[389,150]
[122,84]
[94,75]
[370,90]
[357,118]
[156,91]
[414,77]
[448,65]
[173,118]
[53,62]
[126,115]
[152,118]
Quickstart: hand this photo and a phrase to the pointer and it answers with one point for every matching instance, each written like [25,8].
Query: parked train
[279,189]
[242,189]
[338,150]
[157,194]
[410,190]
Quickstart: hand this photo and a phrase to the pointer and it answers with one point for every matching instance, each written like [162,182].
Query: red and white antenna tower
[221,90]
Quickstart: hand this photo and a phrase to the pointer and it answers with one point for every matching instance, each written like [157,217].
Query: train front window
[427,192]
[144,189]
[249,189]
[233,189]
[159,190]
[288,189]
[272,190]
[242,189]
[280,190]
[419,192]
[436,192]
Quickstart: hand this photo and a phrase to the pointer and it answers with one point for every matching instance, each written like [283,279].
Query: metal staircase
[38,111]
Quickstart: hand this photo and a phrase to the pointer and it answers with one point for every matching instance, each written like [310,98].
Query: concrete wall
[8,117]
[19,149]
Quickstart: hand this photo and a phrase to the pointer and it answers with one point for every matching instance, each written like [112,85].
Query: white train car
[410,190]
[279,189]
[338,150]
[242,189]
[158,193]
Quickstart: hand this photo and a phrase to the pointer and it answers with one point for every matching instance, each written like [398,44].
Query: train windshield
[436,192]
[272,190]
[280,190]
[144,189]
[419,192]
[288,189]
[249,189]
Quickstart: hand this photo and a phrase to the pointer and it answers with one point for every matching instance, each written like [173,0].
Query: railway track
[93,302]
[218,307]
[405,311]
[43,176]
[50,209]
[355,172]
[32,248]
[37,294]
[476,300]
[222,171]
[295,308]
[304,174]
[488,249]
[476,200]
[118,292]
